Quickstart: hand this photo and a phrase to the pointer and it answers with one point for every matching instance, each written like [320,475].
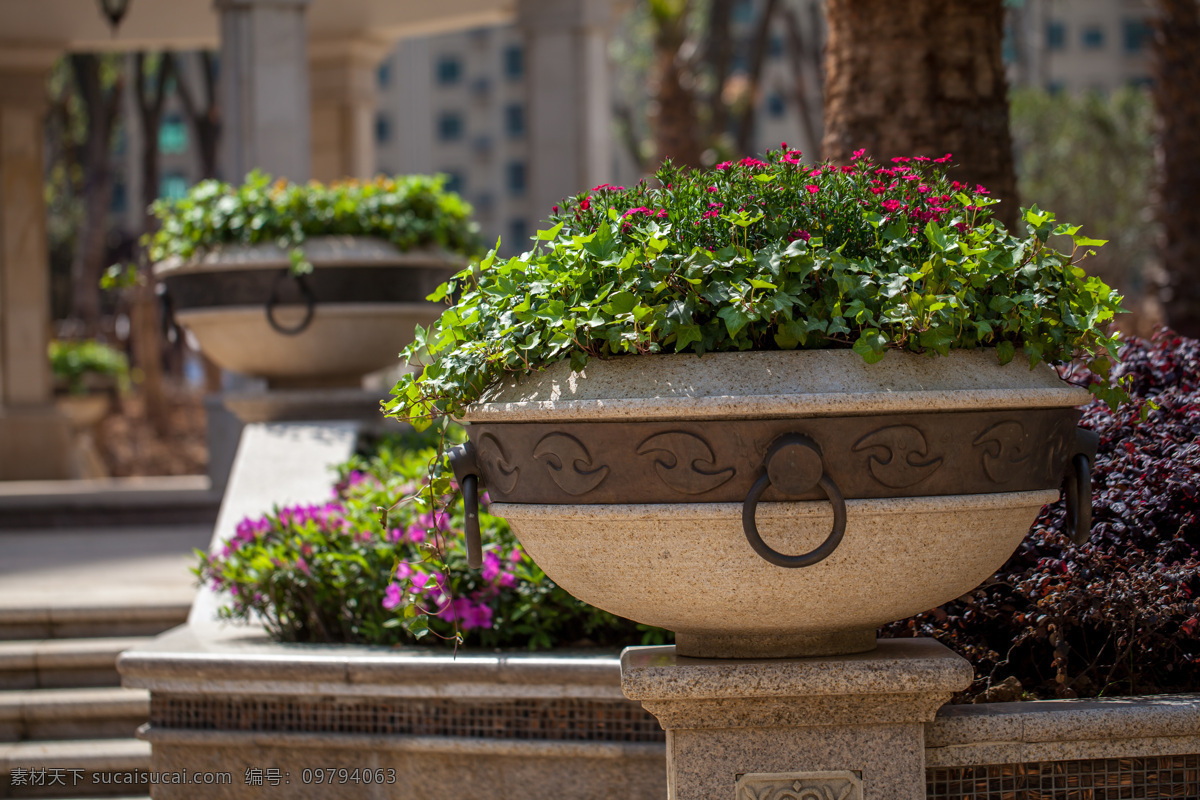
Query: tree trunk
[144,322]
[1177,102]
[922,77]
[674,118]
[100,107]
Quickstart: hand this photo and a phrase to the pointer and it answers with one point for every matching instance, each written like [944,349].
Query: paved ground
[125,565]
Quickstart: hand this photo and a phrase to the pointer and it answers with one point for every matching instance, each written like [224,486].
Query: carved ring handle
[310,303]
[794,466]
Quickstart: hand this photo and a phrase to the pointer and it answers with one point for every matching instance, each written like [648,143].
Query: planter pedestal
[831,728]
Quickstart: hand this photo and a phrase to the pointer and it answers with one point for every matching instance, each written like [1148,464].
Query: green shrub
[72,362]
[411,211]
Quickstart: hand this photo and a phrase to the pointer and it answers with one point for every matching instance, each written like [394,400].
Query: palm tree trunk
[921,77]
[1177,102]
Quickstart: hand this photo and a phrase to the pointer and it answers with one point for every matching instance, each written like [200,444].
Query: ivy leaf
[735,319]
[685,335]
[1006,352]
[871,345]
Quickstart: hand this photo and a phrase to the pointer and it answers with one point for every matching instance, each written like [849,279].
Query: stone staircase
[67,727]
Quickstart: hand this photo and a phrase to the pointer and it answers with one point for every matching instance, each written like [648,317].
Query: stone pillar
[344,100]
[34,438]
[567,82]
[264,89]
[830,728]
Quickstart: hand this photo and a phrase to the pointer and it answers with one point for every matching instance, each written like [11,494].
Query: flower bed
[364,568]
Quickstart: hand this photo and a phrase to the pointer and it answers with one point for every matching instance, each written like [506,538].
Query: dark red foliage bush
[1119,614]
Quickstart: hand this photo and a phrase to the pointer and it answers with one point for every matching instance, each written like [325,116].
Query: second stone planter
[776,504]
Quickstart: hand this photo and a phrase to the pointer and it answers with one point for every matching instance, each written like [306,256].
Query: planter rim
[321,251]
[773,384]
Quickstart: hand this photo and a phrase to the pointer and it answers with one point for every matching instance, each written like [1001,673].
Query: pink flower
[393,596]
[302,565]
[491,566]
[752,162]
[812,188]
[724,165]
[585,204]
[892,205]
[901,160]
[980,190]
[944,159]
[801,234]
[470,615]
[515,555]
[711,189]
[858,154]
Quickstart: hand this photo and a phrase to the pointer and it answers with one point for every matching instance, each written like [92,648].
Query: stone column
[830,728]
[344,101]
[569,106]
[264,88]
[34,438]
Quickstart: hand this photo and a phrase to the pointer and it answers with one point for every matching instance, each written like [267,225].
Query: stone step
[63,663]
[45,714]
[104,620]
[76,768]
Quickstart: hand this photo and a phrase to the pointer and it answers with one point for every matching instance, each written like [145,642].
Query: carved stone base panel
[841,785]
[899,455]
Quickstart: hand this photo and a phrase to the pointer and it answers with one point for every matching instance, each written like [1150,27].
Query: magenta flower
[812,188]
[393,596]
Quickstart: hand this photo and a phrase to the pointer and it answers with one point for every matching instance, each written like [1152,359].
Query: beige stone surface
[773,385]
[688,567]
[1052,730]
[343,342]
[422,767]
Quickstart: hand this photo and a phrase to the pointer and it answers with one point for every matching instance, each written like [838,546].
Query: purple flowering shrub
[1118,615]
[375,565]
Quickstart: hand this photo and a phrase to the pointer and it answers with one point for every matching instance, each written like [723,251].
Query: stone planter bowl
[352,315]
[629,485]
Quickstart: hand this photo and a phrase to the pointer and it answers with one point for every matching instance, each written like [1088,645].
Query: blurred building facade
[1079,45]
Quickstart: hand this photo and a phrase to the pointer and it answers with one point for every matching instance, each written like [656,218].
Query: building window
[172,134]
[1137,35]
[1093,37]
[518,231]
[514,120]
[450,126]
[514,61]
[119,203]
[449,70]
[516,177]
[173,186]
[776,46]
[454,181]
[1056,35]
[383,128]
[383,75]
[776,105]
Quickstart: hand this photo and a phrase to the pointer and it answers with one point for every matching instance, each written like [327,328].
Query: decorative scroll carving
[901,456]
[841,785]
[1004,447]
[500,474]
[680,468]
[569,463]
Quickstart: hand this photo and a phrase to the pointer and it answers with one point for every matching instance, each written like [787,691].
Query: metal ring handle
[470,491]
[310,303]
[773,556]
[1079,499]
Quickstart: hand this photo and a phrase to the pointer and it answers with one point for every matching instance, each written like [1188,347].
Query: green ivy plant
[770,254]
[411,212]
[74,363]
